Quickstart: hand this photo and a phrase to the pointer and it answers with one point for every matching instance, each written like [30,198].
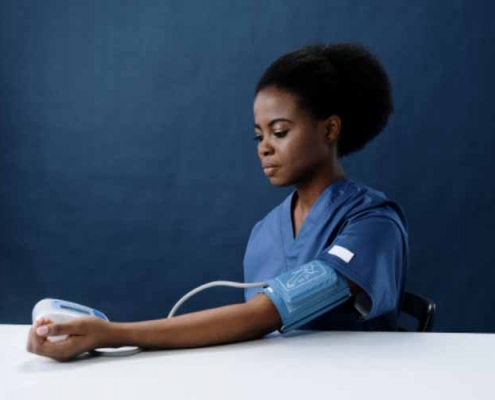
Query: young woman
[312,107]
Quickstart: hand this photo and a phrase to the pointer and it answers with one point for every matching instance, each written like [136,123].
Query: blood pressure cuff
[306,292]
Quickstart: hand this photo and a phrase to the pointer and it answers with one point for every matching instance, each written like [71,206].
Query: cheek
[297,151]
[315,147]
[303,155]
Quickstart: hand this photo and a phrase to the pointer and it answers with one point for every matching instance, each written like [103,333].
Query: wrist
[114,335]
[146,334]
[123,334]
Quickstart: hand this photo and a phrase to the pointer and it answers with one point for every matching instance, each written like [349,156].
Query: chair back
[420,308]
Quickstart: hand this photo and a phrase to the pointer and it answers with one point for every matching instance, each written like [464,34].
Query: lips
[269,168]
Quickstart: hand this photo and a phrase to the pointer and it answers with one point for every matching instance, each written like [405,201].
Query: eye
[258,138]
[281,134]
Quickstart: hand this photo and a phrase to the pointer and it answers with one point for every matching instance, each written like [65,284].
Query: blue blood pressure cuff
[306,292]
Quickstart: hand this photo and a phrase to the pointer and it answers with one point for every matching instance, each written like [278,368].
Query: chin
[279,182]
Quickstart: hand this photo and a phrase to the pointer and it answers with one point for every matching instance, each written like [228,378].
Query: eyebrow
[274,121]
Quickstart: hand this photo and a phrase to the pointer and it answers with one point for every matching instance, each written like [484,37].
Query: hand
[84,334]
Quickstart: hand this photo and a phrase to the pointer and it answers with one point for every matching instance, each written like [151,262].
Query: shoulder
[367,202]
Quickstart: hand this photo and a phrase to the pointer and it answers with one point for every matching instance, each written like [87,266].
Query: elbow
[262,316]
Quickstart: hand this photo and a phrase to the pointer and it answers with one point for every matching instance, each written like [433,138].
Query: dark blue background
[128,173]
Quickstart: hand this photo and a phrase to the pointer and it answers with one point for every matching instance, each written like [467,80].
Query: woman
[312,107]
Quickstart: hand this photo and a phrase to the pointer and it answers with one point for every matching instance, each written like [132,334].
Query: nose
[265,148]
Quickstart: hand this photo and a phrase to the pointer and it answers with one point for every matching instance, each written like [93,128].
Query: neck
[308,192]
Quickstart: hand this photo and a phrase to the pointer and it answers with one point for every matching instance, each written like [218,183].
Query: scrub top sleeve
[370,251]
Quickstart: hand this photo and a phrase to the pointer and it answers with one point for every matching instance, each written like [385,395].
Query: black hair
[342,79]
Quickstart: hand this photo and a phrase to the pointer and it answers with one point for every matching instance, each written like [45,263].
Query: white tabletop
[330,365]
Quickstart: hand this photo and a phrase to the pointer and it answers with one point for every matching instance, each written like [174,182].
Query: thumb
[66,328]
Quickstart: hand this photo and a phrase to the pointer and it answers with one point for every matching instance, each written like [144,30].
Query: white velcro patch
[342,253]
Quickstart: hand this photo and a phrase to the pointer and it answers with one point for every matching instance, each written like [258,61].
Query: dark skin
[296,149]
[302,148]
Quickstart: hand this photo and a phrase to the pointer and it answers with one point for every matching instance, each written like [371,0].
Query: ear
[333,125]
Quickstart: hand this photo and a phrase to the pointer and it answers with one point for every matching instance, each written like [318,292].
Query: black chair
[420,308]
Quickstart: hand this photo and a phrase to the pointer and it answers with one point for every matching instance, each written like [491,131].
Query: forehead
[272,103]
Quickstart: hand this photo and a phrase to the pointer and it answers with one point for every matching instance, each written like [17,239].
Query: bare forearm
[227,324]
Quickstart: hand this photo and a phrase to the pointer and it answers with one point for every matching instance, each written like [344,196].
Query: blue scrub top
[359,232]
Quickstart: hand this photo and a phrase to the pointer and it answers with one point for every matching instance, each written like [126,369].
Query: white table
[316,365]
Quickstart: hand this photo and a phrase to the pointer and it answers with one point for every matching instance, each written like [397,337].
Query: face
[293,146]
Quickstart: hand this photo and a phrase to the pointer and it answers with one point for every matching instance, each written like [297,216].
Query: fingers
[34,340]
[46,329]
[65,349]
[38,342]
[60,351]
[78,341]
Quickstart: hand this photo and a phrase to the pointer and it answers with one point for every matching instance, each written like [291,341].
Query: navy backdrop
[128,173]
